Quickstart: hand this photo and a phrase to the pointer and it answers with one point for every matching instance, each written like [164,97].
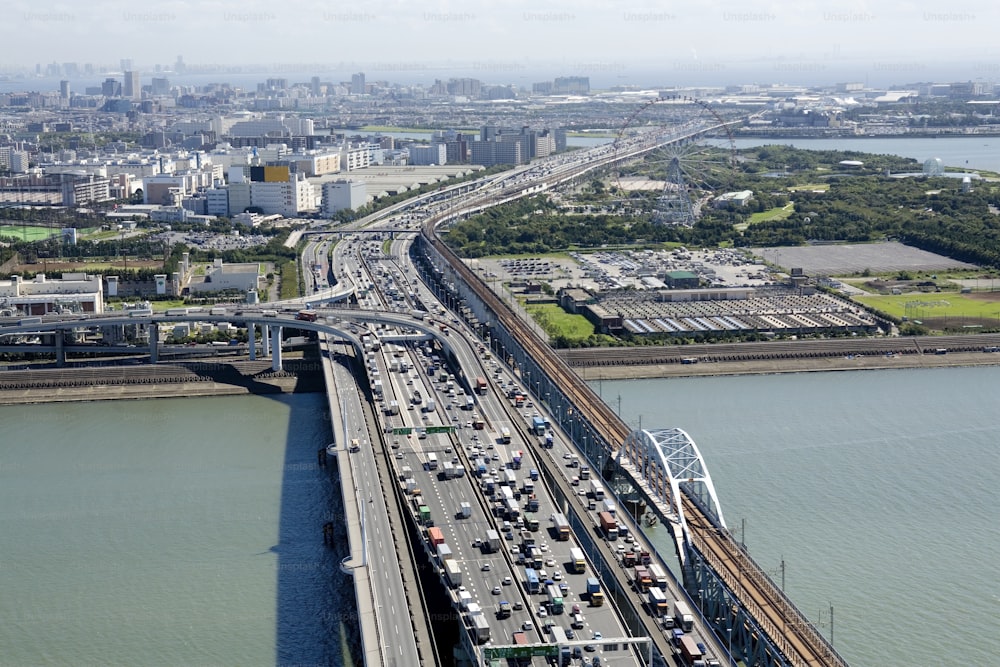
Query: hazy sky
[726,41]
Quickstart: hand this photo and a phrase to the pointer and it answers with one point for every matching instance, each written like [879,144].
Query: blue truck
[538,425]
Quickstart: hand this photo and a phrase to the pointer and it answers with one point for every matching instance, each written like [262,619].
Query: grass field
[779,213]
[557,322]
[982,308]
[809,187]
[28,233]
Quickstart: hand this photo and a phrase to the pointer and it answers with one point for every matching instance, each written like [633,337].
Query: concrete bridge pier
[252,340]
[275,348]
[265,343]
[60,349]
[154,343]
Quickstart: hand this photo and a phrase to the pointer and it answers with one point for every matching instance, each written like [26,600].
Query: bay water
[874,491]
[170,532]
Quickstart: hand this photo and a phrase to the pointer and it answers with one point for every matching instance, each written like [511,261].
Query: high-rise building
[19,161]
[342,193]
[111,88]
[160,86]
[64,89]
[427,155]
[571,85]
[131,89]
[490,153]
[358,83]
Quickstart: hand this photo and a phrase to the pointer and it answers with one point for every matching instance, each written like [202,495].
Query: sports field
[940,309]
[27,233]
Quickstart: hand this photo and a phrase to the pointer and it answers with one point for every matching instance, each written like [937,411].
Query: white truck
[683,616]
[429,406]
[492,540]
[481,629]
[453,572]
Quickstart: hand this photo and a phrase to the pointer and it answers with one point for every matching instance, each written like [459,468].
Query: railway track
[788,629]
[798,349]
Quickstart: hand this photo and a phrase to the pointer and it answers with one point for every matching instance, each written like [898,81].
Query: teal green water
[169,532]
[878,489]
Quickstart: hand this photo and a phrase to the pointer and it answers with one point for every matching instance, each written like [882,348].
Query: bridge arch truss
[669,461]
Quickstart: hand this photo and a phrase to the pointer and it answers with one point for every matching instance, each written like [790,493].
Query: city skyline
[641,43]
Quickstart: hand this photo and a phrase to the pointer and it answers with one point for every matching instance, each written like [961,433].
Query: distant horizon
[639,42]
[781,73]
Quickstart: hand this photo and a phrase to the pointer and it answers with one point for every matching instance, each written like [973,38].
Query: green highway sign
[402,431]
[440,429]
[507,652]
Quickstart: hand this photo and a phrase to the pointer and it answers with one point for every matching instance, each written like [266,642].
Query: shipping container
[609,525]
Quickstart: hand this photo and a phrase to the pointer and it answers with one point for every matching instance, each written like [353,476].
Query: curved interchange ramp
[663,460]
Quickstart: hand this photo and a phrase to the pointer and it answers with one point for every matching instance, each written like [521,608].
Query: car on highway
[576,609]
[496,590]
[486,567]
[542,611]
[507,581]
[514,549]
[570,634]
[550,562]
[557,575]
[528,626]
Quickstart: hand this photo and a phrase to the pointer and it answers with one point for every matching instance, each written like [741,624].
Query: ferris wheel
[679,148]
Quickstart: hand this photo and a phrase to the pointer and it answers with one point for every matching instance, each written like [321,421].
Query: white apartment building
[427,155]
[354,158]
[342,193]
[285,198]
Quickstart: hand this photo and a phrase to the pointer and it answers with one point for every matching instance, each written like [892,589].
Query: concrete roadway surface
[461,534]
[394,626]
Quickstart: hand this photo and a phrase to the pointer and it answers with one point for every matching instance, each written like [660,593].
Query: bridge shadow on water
[315,605]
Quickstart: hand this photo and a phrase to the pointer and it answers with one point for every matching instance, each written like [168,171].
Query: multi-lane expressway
[489,577]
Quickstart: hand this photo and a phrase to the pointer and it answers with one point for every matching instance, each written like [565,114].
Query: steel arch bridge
[665,460]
